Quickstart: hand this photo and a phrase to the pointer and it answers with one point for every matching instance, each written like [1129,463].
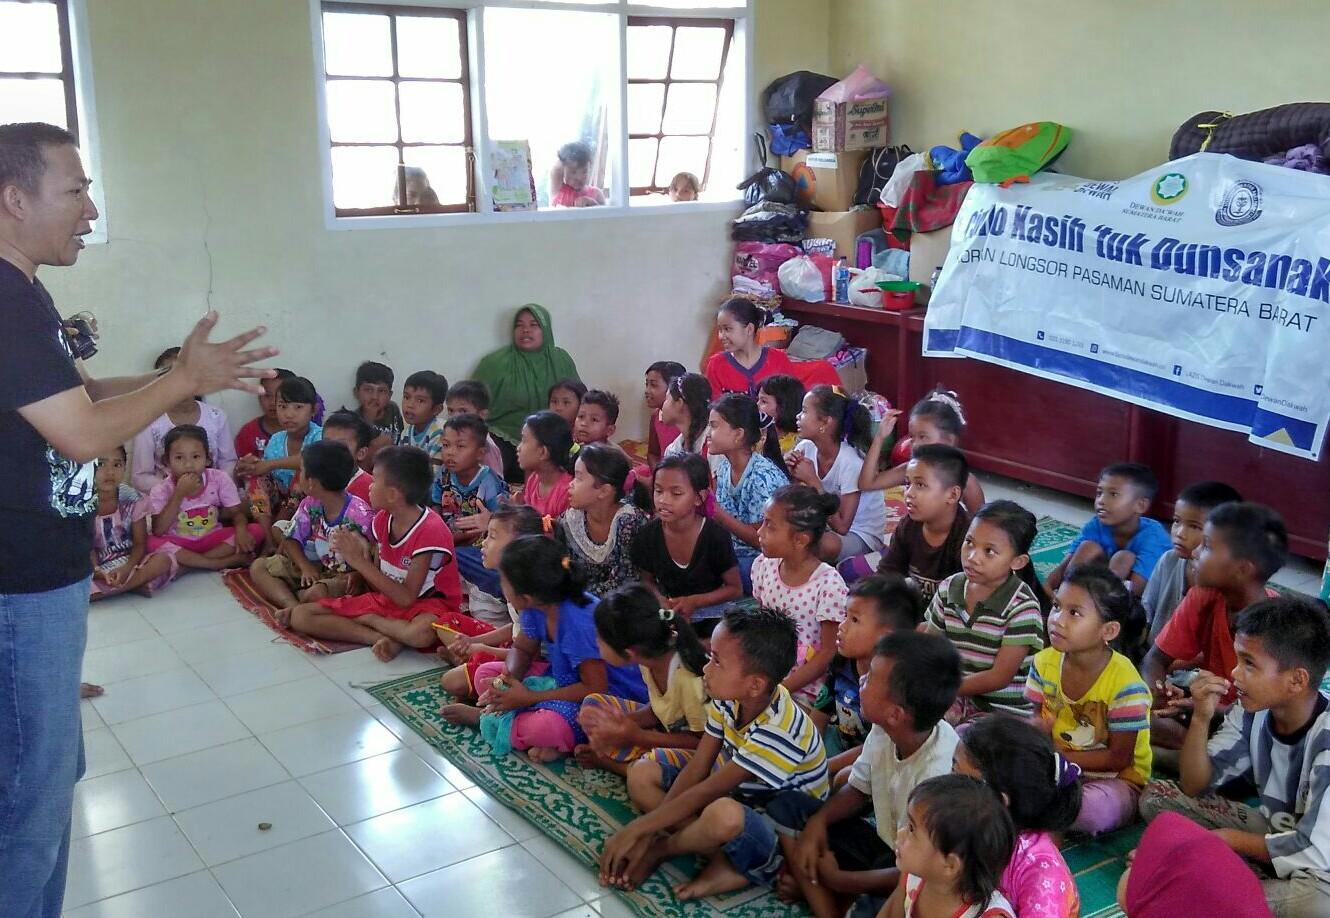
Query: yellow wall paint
[1123,75]
[211,179]
[791,35]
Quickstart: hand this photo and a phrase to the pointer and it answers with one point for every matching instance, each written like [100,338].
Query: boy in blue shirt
[1120,534]
[465,486]
[424,395]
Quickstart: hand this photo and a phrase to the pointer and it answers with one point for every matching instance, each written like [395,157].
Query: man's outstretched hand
[214,366]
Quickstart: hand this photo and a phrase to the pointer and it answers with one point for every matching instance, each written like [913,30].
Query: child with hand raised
[935,418]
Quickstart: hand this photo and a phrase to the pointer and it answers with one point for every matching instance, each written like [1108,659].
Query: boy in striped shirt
[758,742]
[1277,737]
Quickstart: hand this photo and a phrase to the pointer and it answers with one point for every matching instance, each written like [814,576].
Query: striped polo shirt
[781,747]
[1010,616]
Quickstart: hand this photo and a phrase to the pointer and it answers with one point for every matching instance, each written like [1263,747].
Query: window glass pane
[432,113]
[697,53]
[641,162]
[364,176]
[32,100]
[729,145]
[649,52]
[551,79]
[29,38]
[681,154]
[429,46]
[357,44]
[645,102]
[361,111]
[690,108]
[444,170]
[695,4]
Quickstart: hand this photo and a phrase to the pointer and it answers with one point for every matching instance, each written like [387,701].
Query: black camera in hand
[81,333]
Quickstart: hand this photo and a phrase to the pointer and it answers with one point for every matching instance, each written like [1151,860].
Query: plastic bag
[767,183]
[789,99]
[863,287]
[802,279]
[760,260]
[856,87]
[899,182]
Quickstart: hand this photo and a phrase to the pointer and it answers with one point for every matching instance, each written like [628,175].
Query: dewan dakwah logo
[1169,189]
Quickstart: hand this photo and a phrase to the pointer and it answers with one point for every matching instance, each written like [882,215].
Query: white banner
[1200,288]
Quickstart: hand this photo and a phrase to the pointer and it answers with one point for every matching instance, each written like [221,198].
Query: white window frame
[741,11]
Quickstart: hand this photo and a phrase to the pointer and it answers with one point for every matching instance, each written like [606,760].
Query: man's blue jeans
[42,636]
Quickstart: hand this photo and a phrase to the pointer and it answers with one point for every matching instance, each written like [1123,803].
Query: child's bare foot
[716,877]
[283,616]
[447,656]
[88,690]
[643,861]
[586,756]
[385,648]
[463,715]
[787,887]
[543,755]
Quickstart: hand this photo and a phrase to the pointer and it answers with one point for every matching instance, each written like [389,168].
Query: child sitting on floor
[1279,740]
[272,486]
[487,640]
[542,453]
[951,851]
[147,451]
[836,430]
[879,605]
[424,395]
[1175,573]
[548,586]
[570,176]
[351,430]
[757,743]
[1120,534]
[687,407]
[465,487]
[1043,795]
[305,560]
[780,398]
[657,379]
[632,628]
[415,578]
[935,418]
[789,577]
[684,556]
[926,546]
[744,479]
[187,509]
[471,396]
[374,403]
[993,609]
[1091,698]
[565,397]
[597,416]
[1242,547]
[599,527]
[253,436]
[840,857]
[120,558]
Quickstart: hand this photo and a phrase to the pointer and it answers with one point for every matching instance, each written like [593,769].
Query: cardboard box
[927,253]
[826,181]
[843,227]
[840,126]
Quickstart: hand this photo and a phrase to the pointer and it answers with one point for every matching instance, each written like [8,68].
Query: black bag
[767,184]
[1255,135]
[789,99]
[876,170]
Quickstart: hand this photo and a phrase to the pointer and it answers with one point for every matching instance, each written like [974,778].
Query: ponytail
[854,423]
[631,618]
[542,569]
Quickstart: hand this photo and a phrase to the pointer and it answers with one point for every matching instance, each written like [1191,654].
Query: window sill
[557,215]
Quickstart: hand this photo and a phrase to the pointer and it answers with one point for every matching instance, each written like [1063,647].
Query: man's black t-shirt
[46,500]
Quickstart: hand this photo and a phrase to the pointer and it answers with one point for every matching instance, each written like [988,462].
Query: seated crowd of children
[910,738]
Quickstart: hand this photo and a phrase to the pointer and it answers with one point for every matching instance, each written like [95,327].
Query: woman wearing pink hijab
[1182,869]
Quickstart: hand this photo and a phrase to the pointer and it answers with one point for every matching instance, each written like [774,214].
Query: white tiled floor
[209,728]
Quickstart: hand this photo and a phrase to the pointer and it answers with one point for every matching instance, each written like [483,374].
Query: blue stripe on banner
[1227,409]
[942,339]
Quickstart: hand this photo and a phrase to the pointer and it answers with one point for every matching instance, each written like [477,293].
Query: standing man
[54,420]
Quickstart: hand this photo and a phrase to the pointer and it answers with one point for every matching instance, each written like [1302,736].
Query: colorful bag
[1017,154]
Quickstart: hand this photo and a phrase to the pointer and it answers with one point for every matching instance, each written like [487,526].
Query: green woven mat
[1051,543]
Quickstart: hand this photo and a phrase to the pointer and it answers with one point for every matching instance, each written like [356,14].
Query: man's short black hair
[947,462]
[407,469]
[372,372]
[1253,532]
[349,420]
[329,463]
[608,401]
[1142,477]
[1293,630]
[897,603]
[925,674]
[768,639]
[471,391]
[472,423]
[22,161]
[1206,495]
[433,383]
[299,390]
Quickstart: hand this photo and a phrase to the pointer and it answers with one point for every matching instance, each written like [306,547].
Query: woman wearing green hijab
[519,377]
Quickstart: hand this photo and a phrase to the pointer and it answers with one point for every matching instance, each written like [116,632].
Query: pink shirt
[1037,880]
[198,515]
[147,464]
[493,457]
[553,502]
